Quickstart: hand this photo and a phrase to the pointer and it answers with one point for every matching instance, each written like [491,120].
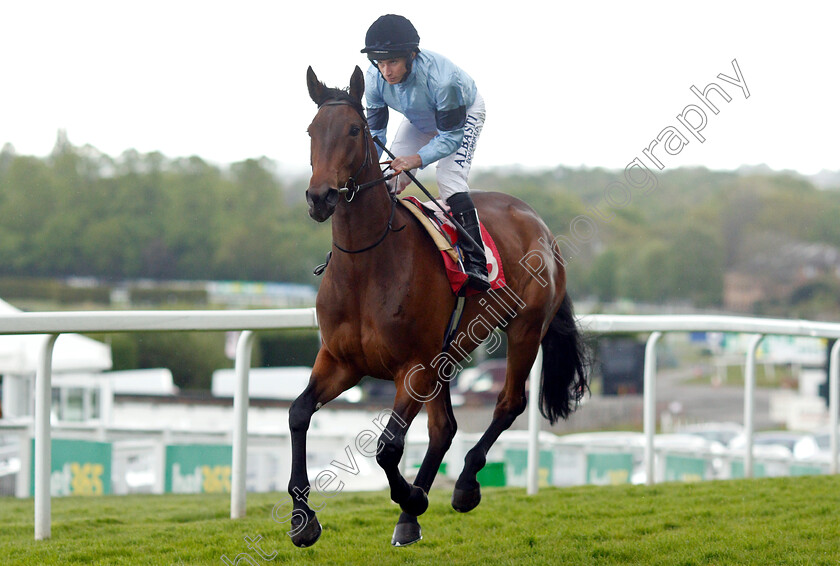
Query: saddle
[445,237]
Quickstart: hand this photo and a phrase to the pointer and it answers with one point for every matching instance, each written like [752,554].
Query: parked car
[721,432]
[823,439]
[480,385]
[799,445]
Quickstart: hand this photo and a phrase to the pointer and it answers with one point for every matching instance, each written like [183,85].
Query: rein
[351,188]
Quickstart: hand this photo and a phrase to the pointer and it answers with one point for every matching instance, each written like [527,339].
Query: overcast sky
[575,84]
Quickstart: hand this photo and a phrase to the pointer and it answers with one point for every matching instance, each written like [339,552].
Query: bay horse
[385,302]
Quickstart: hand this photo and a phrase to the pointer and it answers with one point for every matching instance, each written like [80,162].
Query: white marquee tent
[73,353]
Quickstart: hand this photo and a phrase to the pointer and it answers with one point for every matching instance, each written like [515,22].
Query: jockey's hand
[406,163]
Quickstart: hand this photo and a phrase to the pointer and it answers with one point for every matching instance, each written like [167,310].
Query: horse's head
[338,141]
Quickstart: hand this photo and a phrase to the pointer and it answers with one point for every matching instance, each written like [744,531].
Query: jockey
[444,115]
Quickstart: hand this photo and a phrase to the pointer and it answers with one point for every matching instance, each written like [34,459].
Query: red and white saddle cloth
[445,236]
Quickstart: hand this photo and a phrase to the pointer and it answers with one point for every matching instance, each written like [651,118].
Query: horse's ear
[357,84]
[316,87]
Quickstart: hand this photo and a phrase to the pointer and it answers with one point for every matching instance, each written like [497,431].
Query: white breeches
[452,170]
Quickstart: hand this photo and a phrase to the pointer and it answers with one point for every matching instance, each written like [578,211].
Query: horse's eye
[355,130]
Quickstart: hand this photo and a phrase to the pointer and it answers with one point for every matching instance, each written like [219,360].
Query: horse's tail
[565,367]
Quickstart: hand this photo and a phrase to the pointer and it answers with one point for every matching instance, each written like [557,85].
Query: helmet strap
[409,62]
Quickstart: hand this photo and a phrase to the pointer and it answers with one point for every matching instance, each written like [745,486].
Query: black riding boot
[475,262]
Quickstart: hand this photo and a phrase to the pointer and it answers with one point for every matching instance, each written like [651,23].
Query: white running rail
[51,324]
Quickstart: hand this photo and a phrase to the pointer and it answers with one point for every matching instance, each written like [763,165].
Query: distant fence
[54,323]
[757,328]
[96,460]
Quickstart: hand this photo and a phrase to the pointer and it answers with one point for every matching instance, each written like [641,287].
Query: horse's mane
[331,94]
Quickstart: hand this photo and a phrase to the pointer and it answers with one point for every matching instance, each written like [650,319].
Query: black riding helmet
[389,37]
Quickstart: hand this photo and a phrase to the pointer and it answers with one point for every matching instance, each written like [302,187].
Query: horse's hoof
[406,533]
[308,534]
[465,500]
[417,502]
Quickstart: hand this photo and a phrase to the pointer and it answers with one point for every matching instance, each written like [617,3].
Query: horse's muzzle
[321,203]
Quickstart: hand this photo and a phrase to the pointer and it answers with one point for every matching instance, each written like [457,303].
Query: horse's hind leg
[442,429]
[523,344]
[329,379]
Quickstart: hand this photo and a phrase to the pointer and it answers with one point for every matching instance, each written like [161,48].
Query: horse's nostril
[327,197]
[322,202]
[332,197]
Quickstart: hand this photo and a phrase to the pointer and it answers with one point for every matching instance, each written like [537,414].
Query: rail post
[834,399]
[749,402]
[650,406]
[43,438]
[534,424]
[240,425]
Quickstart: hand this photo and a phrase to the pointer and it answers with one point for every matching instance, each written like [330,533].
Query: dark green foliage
[163,296]
[53,291]
[190,356]
[81,213]
[676,242]
[288,347]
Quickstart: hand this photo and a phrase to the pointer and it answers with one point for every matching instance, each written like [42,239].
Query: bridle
[351,187]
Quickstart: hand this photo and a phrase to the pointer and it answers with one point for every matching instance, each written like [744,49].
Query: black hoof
[465,500]
[417,502]
[308,534]
[406,533]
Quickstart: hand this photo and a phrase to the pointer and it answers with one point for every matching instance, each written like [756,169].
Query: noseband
[351,187]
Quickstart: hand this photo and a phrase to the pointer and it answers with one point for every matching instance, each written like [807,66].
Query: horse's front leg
[329,379]
[442,427]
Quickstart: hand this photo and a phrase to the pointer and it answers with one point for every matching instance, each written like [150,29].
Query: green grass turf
[766,521]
